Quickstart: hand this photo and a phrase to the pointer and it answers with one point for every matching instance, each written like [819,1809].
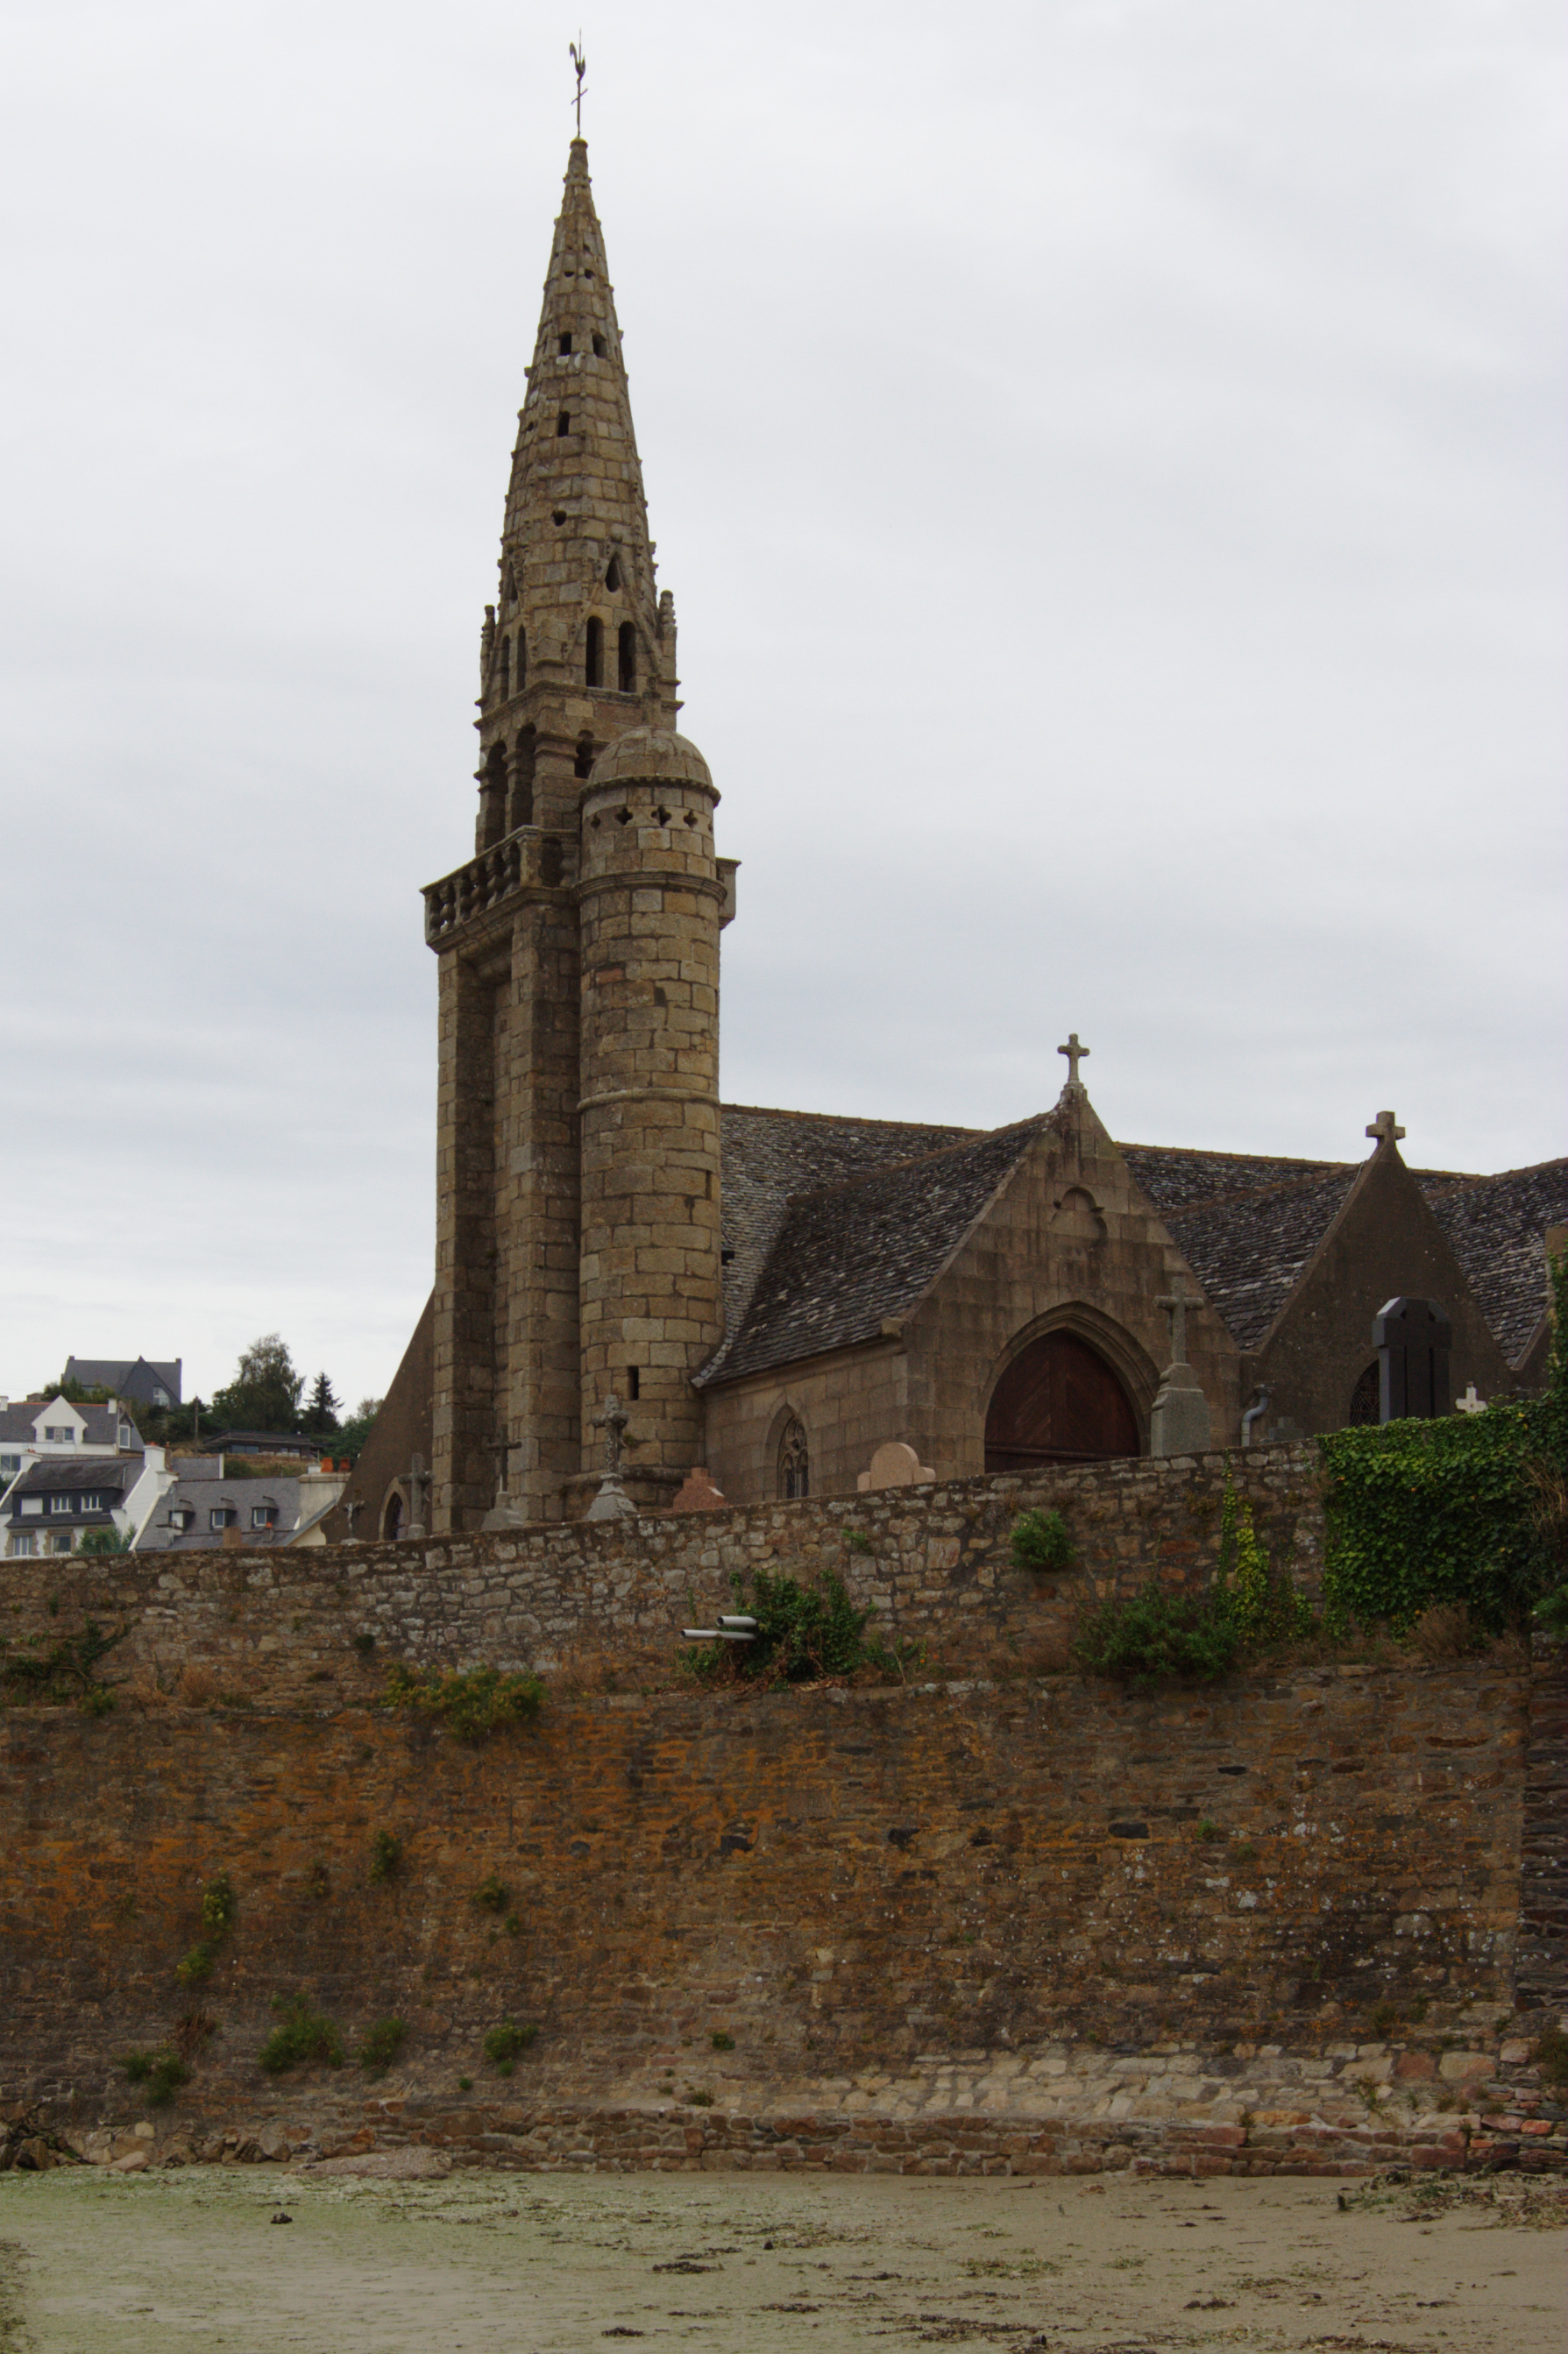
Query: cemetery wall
[932,1561]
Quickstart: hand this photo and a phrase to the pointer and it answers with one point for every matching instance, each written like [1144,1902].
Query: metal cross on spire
[1385,1129]
[1075,1055]
[579,57]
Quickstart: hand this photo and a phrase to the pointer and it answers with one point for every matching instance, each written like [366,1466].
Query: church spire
[580,645]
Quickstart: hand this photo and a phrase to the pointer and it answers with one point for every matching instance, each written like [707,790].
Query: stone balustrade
[527,856]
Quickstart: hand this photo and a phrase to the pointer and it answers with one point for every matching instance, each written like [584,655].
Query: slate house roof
[111,1475]
[19,1417]
[128,1377]
[1496,1229]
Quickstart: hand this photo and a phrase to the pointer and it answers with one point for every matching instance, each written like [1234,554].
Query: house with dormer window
[51,1505]
[33,1430]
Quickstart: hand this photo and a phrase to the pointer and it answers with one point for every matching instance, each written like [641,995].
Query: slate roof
[1496,1229]
[202,1497]
[17,1420]
[769,1155]
[831,1226]
[840,1258]
[113,1374]
[53,1474]
[1249,1251]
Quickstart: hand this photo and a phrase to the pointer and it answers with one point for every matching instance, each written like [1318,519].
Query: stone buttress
[578,649]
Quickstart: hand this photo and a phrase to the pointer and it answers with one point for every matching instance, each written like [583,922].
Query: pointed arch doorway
[1058,1402]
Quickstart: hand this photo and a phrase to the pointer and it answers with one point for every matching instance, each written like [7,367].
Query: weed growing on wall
[386,1857]
[503,2044]
[1262,1606]
[218,1906]
[162,2072]
[803,1633]
[471,1704]
[1154,1636]
[67,1672]
[491,1895]
[301,2035]
[1040,1541]
[381,2045]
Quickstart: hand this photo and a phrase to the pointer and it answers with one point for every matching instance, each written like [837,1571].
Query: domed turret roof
[650,756]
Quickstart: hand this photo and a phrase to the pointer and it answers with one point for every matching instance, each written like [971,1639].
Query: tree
[321,1405]
[265,1392]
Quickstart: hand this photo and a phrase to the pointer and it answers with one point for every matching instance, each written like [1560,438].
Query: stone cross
[1385,1129]
[1075,1055]
[1470,1403]
[419,1487]
[1176,1304]
[615,1419]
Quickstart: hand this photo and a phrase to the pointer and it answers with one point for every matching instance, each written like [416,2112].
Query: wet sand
[510,2263]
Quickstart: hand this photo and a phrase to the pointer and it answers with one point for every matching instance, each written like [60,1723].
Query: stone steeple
[580,645]
[576,1155]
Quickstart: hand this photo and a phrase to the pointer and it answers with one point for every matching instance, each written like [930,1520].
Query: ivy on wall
[1466,1508]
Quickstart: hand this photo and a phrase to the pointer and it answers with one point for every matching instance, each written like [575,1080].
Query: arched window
[1366,1398]
[626,658]
[392,1518]
[522,812]
[794,1460]
[505,672]
[593,666]
[492,796]
[582,765]
[521,678]
[1058,1402]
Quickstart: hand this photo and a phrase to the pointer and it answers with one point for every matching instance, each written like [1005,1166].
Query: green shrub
[503,2043]
[491,1895]
[381,2045]
[1262,1605]
[723,2042]
[301,2035]
[465,2084]
[471,1704]
[197,1964]
[1154,1636]
[1550,1614]
[803,1632]
[386,1857]
[162,2072]
[100,1540]
[1040,1541]
[857,1541]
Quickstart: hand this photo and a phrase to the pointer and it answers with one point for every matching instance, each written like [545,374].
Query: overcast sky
[1108,458]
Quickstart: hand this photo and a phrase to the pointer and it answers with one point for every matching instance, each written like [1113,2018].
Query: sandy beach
[539,2265]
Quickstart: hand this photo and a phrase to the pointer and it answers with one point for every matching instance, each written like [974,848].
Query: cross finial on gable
[1075,1055]
[1385,1129]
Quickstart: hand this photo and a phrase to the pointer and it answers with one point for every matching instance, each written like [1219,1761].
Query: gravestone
[1180,1422]
[1413,1338]
[894,1464]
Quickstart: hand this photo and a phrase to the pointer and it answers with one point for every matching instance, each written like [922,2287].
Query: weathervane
[579,57]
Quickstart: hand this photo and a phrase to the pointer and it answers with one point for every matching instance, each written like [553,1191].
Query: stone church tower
[577,1169]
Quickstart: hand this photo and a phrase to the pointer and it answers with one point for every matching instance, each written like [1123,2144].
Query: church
[780,1302]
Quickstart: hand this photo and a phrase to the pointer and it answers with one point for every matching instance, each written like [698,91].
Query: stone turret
[580,645]
[578,974]
[652,900]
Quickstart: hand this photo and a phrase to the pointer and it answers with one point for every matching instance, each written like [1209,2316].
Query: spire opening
[565,348]
[612,578]
[600,348]
[593,662]
[563,425]
[626,658]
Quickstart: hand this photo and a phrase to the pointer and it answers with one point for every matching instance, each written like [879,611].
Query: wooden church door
[1058,1402]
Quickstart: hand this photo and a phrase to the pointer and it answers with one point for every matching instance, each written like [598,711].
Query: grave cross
[615,1419]
[418,1486]
[1176,1304]
[1075,1055]
[1385,1129]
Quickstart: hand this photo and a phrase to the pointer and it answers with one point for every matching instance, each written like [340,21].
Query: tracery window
[1366,1400]
[794,1461]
